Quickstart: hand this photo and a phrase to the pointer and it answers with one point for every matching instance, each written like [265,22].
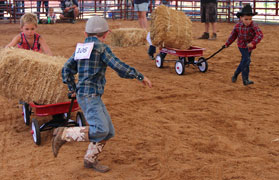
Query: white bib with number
[83,50]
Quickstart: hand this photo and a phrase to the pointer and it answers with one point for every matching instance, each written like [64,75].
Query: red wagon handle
[223,47]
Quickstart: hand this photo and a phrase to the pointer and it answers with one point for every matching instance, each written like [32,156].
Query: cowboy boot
[62,135]
[204,36]
[247,82]
[151,52]
[90,158]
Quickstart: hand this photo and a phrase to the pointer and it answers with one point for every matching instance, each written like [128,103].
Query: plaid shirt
[91,72]
[245,34]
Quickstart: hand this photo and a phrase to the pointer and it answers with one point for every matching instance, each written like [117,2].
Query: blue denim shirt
[91,72]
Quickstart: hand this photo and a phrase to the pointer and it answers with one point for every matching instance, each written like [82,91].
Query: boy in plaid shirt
[248,35]
[90,62]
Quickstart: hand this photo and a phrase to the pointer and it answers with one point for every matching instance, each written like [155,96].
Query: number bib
[83,50]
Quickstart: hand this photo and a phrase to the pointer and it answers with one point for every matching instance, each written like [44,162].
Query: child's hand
[146,82]
[250,45]
[71,94]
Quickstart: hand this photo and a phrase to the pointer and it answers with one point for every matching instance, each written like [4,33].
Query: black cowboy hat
[246,10]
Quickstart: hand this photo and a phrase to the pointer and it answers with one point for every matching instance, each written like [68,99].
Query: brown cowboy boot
[204,36]
[90,158]
[96,166]
[68,134]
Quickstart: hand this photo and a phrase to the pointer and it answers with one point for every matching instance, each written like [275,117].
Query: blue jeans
[153,3]
[20,7]
[243,67]
[39,7]
[97,116]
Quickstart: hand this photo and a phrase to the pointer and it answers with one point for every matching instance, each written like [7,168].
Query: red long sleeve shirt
[245,35]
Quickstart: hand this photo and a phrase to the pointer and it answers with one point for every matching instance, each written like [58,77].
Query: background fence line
[11,10]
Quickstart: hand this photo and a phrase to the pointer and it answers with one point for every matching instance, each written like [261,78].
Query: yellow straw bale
[125,37]
[170,28]
[31,76]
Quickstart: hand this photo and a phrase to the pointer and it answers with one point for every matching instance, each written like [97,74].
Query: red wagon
[185,58]
[60,113]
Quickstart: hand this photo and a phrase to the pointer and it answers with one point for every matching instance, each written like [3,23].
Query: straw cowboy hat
[246,10]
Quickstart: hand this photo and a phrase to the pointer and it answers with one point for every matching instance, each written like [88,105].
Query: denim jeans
[244,64]
[96,115]
[39,7]
[20,7]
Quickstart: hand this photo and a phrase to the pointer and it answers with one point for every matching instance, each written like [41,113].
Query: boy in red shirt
[248,35]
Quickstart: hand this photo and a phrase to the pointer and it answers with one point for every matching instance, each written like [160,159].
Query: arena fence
[12,10]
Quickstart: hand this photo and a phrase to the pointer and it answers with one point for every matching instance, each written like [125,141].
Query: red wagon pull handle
[72,99]
[223,47]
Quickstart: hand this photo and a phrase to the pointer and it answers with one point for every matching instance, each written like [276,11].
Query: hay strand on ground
[126,37]
[170,28]
[31,76]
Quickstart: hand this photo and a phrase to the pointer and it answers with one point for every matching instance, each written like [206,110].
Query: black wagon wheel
[80,119]
[202,65]
[179,67]
[183,59]
[159,60]
[26,113]
[36,131]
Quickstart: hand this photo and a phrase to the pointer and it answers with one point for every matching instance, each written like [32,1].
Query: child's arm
[14,42]
[68,71]
[258,37]
[123,70]
[232,37]
[45,47]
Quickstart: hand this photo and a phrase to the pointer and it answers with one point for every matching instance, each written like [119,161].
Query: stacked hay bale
[126,37]
[31,76]
[170,28]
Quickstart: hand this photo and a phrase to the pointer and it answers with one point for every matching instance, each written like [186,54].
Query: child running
[249,35]
[90,62]
[28,38]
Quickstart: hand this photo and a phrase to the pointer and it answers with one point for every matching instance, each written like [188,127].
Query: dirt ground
[198,126]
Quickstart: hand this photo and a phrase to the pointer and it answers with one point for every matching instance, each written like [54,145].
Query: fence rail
[11,10]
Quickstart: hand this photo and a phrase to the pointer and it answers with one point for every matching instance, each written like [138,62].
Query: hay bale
[170,28]
[125,37]
[31,76]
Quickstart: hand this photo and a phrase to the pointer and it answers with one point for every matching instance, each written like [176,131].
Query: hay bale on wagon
[31,76]
[170,28]
[125,37]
